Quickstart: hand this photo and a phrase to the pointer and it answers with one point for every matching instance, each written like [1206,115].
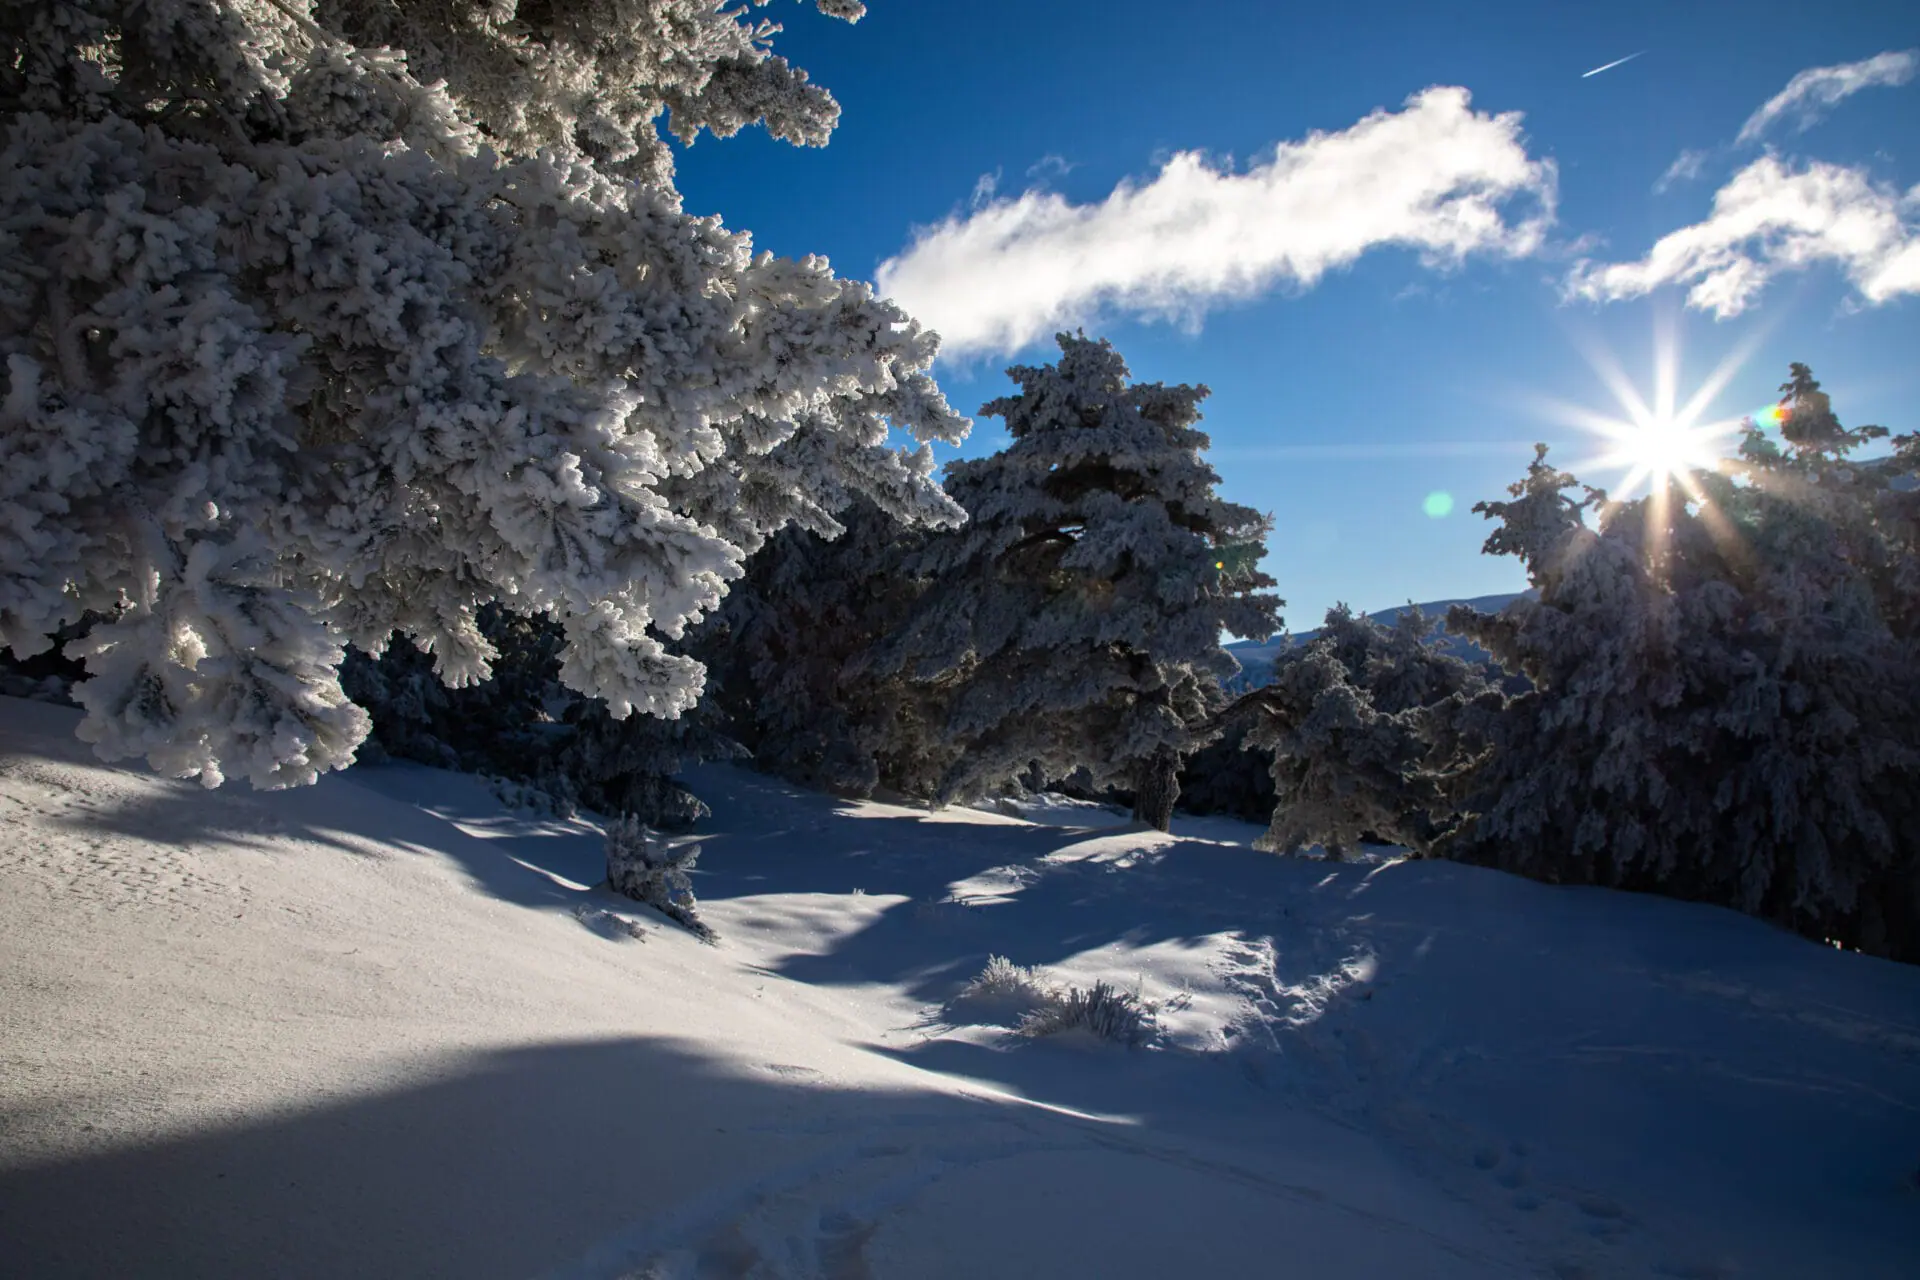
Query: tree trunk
[1156,786]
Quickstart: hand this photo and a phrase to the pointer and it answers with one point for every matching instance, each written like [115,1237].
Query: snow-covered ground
[380,1027]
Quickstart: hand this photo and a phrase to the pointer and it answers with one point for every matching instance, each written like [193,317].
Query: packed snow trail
[382,1027]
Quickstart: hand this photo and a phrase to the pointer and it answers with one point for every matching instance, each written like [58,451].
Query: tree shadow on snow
[566,1159]
[590,1159]
[369,811]
[1037,894]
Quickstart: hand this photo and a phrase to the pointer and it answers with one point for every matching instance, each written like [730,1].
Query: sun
[1659,449]
[1655,440]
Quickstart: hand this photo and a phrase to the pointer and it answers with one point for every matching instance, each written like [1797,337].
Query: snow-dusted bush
[1102,1010]
[645,868]
[322,320]
[1360,726]
[1022,997]
[1074,622]
[1726,686]
[1003,992]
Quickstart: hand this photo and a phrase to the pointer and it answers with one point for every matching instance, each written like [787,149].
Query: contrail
[1611,65]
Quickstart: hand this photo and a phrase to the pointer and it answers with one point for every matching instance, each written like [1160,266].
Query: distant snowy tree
[1357,725]
[322,320]
[1726,673]
[1075,621]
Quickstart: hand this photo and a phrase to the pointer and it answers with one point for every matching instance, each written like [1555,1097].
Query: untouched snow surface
[380,1027]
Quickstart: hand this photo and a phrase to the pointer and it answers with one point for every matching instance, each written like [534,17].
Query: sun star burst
[1658,449]
[1659,440]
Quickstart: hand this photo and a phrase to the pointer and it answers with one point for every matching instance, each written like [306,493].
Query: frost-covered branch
[309,342]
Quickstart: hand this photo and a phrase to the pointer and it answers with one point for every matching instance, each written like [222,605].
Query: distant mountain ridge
[1256,656]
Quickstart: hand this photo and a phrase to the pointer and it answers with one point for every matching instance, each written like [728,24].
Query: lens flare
[1438,505]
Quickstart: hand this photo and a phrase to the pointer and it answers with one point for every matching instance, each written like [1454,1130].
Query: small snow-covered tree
[1075,621]
[1726,686]
[645,868]
[1358,723]
[326,319]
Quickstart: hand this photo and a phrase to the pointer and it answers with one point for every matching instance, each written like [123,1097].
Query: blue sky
[1363,355]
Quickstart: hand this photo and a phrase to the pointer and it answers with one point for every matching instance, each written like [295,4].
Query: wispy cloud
[1050,165]
[1808,95]
[1769,219]
[1685,168]
[1435,176]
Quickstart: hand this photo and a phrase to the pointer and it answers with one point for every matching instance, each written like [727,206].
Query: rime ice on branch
[306,340]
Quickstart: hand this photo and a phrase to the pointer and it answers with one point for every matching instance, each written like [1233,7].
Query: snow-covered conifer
[326,319]
[1354,722]
[1726,700]
[1075,620]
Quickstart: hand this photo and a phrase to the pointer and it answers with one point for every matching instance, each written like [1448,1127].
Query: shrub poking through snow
[644,868]
[1103,1010]
[1003,992]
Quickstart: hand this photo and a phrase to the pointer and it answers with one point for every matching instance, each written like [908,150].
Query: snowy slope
[363,1029]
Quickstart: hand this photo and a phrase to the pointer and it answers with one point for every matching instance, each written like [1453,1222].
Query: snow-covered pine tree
[787,651]
[1726,701]
[326,319]
[1359,726]
[1075,620]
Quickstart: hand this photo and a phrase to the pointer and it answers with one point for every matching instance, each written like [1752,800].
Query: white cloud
[1435,176]
[1685,168]
[1770,219]
[1809,94]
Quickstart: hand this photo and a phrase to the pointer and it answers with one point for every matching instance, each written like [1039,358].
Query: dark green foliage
[525,726]
[1226,777]
[787,657]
